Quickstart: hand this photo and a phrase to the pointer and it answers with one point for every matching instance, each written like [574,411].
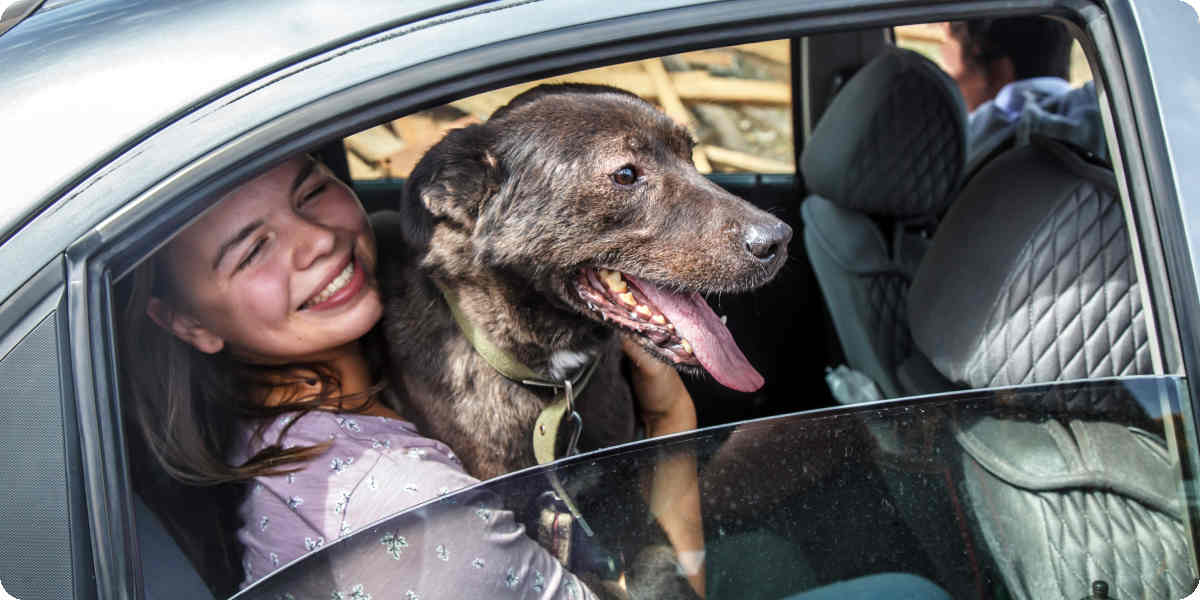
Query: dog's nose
[764,241]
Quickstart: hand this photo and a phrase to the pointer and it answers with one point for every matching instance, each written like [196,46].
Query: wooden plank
[717,59]
[747,162]
[419,132]
[480,106]
[694,86]
[704,87]
[674,107]
[777,50]
[927,32]
[375,144]
[360,169]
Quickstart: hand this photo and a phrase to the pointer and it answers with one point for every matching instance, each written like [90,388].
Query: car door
[362,83]
[46,529]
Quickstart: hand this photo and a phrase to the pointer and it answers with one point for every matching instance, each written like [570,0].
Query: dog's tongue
[711,341]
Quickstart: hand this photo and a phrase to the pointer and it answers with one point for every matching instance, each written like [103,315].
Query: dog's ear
[451,183]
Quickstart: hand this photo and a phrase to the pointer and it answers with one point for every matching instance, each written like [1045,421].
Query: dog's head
[588,195]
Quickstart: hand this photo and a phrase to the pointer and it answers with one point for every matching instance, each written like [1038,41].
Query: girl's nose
[312,241]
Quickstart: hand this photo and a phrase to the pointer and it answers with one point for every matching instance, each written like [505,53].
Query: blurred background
[736,101]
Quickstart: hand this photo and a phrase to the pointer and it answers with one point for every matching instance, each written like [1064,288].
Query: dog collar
[546,428]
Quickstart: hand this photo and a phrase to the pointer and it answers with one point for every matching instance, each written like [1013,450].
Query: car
[1056,456]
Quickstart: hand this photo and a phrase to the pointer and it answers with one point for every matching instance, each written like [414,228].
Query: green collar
[545,430]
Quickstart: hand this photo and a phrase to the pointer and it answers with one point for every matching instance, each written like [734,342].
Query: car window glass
[799,502]
[736,101]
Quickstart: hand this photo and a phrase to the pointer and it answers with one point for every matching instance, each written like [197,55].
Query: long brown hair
[182,410]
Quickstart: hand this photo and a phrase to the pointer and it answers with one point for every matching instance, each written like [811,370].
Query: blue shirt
[1045,106]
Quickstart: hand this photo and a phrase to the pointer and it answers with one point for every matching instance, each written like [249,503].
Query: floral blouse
[373,468]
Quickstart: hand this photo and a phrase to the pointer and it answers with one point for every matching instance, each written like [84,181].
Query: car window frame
[167,195]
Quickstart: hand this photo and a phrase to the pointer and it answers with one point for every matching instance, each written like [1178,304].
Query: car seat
[1030,279]
[166,571]
[882,164]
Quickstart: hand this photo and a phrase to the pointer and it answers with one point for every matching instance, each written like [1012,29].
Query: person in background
[1013,77]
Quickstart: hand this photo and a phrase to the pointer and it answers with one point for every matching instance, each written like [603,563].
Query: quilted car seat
[883,162]
[1030,280]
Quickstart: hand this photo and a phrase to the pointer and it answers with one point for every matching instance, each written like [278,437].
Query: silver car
[1015,417]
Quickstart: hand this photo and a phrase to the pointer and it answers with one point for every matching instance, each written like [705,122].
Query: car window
[803,501]
[836,494]
[736,101]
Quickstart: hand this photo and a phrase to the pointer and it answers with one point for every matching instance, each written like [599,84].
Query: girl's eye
[626,175]
[309,197]
[254,250]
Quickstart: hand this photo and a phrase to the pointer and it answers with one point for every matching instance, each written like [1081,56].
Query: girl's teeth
[338,283]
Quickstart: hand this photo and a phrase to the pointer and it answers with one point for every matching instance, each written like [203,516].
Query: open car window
[802,501]
[737,101]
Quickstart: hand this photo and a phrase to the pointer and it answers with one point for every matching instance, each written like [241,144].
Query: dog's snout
[765,241]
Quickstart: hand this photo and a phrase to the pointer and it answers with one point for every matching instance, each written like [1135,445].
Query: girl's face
[282,270]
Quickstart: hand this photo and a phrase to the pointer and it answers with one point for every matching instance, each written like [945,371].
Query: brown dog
[574,213]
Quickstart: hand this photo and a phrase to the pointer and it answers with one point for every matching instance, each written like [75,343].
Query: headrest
[1030,278]
[893,141]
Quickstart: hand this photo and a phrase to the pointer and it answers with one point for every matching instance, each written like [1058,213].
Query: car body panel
[83,80]
[125,153]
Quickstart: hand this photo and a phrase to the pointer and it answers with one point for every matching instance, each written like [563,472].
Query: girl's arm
[666,407]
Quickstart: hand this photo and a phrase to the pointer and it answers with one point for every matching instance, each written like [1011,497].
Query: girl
[249,350]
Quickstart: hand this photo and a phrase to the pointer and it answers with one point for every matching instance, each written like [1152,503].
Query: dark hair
[1037,46]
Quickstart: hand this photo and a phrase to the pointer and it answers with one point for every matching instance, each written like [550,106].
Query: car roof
[86,79]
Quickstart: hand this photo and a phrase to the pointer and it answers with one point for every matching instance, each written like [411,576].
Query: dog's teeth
[627,298]
[632,315]
[723,318]
[613,280]
[643,310]
[685,345]
[658,320]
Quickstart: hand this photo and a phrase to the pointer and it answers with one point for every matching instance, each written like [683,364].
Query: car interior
[922,276]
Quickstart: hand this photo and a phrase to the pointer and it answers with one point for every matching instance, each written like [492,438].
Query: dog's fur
[506,214]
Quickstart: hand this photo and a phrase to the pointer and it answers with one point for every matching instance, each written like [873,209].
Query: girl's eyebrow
[242,234]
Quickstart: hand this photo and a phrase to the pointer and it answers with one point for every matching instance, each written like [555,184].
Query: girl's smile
[343,288]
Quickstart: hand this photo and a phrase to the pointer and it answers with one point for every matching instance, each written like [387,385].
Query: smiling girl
[248,347]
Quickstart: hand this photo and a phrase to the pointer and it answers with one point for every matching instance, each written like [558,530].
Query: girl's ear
[183,327]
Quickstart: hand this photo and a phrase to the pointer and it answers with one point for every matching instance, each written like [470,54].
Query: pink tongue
[711,342]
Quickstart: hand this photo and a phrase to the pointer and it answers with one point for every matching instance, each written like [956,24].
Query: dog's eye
[626,175]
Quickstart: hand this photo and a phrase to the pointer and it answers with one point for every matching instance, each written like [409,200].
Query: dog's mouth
[678,326]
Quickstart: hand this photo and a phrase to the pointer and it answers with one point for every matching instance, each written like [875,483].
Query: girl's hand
[663,402]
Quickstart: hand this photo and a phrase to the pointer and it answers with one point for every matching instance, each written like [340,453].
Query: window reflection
[1019,492]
